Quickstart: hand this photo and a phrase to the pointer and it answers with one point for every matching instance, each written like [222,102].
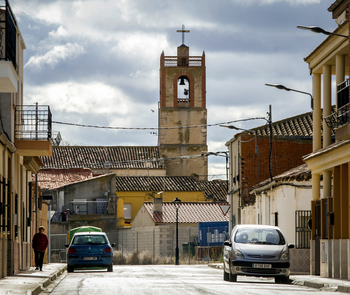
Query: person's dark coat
[40,242]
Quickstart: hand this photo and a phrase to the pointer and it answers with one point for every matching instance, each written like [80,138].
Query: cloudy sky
[96,62]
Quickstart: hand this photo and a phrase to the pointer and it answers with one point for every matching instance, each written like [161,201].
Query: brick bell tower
[183,113]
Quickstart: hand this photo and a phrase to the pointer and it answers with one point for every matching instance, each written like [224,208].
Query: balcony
[339,119]
[8,38]
[33,130]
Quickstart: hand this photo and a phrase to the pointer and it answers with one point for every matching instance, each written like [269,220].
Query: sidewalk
[324,284]
[31,282]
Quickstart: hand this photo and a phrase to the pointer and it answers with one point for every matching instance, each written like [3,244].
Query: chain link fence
[196,245]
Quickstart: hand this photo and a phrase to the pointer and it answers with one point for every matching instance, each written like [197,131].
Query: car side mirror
[228,243]
[113,244]
[66,245]
[291,246]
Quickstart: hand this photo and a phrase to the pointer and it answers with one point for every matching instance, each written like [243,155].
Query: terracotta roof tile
[104,157]
[296,127]
[215,189]
[53,178]
[299,173]
[189,212]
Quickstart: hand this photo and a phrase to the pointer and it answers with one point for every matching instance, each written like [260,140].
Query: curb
[344,289]
[46,282]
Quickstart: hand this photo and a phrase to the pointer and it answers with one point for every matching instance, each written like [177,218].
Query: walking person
[39,244]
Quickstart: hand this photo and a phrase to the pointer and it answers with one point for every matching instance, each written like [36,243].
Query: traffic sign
[224,208]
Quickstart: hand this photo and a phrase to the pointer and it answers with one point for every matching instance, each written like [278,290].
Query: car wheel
[282,280]
[110,268]
[70,268]
[226,275]
[232,277]
[285,280]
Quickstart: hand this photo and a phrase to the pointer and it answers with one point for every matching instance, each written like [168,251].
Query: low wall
[299,261]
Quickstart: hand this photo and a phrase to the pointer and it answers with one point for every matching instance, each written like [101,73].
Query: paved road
[167,280]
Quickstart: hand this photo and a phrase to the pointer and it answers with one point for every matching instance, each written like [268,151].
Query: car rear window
[259,236]
[89,240]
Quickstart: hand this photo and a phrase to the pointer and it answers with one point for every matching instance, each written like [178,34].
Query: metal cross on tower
[183,31]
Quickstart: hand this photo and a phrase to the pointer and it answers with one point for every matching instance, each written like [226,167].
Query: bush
[118,258]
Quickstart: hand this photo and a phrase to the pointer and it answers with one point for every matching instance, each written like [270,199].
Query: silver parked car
[256,250]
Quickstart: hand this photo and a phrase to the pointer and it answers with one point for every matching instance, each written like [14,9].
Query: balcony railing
[8,31]
[341,115]
[33,122]
[338,118]
[193,61]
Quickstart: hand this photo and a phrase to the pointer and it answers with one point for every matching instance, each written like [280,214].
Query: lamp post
[219,154]
[257,167]
[231,192]
[320,31]
[282,87]
[177,202]
[256,144]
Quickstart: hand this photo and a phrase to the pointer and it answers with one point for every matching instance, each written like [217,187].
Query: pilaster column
[316,85]
[327,104]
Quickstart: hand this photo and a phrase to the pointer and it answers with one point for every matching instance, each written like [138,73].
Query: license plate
[260,265]
[90,258]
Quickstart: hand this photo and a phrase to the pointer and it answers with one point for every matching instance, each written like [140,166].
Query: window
[127,211]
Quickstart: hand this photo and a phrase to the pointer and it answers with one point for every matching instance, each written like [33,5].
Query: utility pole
[270,127]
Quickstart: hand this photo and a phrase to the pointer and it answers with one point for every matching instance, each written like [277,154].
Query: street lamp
[219,154]
[256,144]
[177,202]
[282,87]
[320,30]
[231,192]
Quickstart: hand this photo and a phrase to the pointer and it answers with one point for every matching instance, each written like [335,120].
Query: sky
[96,62]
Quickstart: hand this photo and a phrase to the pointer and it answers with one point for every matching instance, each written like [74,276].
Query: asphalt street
[168,279]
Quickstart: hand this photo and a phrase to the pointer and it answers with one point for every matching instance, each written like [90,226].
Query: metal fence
[160,242]
[302,232]
[57,247]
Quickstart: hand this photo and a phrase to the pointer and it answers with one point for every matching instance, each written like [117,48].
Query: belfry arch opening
[183,91]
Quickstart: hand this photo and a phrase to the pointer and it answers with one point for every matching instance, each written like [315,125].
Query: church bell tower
[182,135]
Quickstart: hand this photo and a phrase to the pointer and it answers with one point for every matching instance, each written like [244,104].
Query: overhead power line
[154,128]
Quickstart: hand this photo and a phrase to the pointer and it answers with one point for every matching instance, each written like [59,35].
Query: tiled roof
[188,212]
[299,173]
[53,178]
[297,127]
[103,157]
[216,189]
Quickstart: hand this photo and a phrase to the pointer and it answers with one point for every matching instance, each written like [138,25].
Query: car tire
[110,268]
[70,268]
[226,275]
[282,280]
[285,280]
[232,277]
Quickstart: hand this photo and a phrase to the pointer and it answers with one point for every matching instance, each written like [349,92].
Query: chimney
[157,205]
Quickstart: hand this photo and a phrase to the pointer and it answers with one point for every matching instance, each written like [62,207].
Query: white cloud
[57,54]
[60,32]
[72,97]
[138,44]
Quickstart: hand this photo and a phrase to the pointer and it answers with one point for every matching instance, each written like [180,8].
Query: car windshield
[89,240]
[259,236]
